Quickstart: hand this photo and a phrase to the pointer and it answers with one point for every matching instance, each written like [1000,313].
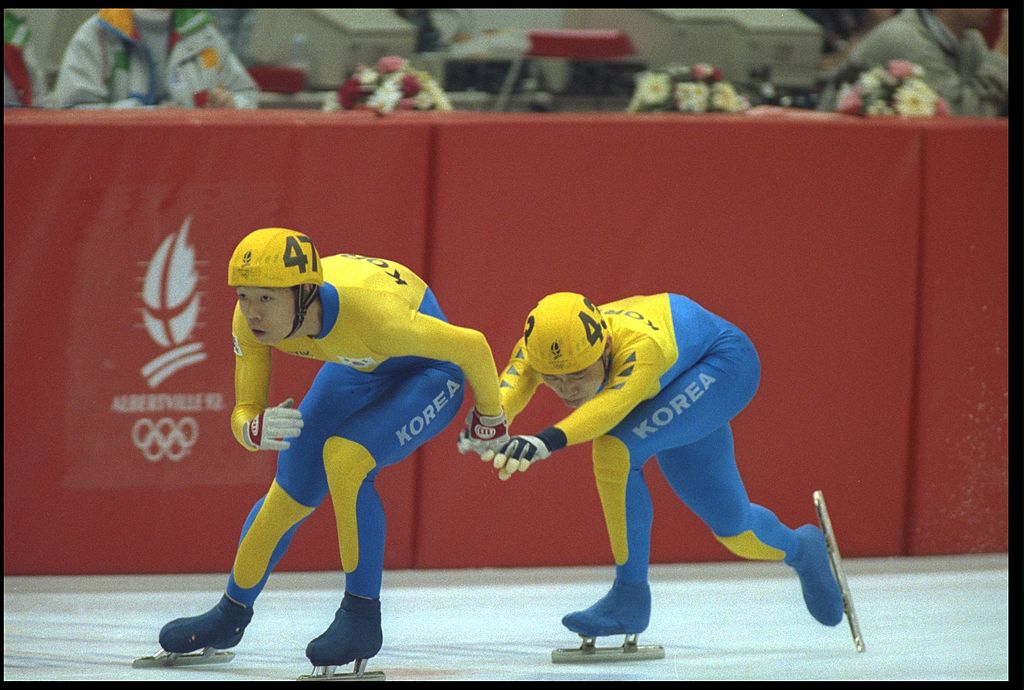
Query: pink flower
[941,107]
[407,104]
[390,63]
[702,71]
[851,102]
[410,85]
[716,75]
[901,69]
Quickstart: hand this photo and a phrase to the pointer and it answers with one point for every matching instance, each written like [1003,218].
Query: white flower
[724,97]
[653,88]
[423,100]
[386,97]
[691,97]
[368,76]
[878,107]
[331,103]
[437,94]
[871,80]
[912,100]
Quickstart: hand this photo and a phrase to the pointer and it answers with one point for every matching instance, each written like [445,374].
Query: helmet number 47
[294,255]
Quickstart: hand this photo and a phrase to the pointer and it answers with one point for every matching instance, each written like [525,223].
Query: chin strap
[302,304]
[606,360]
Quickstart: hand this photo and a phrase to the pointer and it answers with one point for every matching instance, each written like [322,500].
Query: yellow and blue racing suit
[393,377]
[677,375]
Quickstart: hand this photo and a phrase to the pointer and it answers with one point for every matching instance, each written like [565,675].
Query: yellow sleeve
[252,377]
[518,383]
[634,378]
[397,330]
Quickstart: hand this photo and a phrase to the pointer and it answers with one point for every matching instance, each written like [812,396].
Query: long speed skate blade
[164,659]
[588,653]
[837,569]
[359,672]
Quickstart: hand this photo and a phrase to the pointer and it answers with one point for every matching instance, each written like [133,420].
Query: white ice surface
[936,618]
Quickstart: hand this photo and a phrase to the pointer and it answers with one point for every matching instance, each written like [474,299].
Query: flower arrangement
[897,89]
[392,84]
[700,88]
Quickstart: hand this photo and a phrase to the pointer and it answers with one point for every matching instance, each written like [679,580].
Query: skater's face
[269,312]
[581,386]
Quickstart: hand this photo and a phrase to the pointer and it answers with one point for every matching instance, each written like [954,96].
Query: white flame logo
[170,282]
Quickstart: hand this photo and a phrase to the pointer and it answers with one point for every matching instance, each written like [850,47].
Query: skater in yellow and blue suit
[393,376]
[660,376]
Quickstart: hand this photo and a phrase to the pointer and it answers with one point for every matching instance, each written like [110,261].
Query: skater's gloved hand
[517,454]
[268,429]
[483,435]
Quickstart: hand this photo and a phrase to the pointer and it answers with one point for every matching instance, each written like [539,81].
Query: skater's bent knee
[279,513]
[611,472]
[347,464]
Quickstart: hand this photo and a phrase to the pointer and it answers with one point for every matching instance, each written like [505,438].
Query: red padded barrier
[884,372]
[797,234]
[960,464]
[89,199]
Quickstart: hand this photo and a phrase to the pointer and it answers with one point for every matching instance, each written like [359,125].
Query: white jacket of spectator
[107,65]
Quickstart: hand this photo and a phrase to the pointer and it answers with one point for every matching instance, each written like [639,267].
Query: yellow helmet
[564,334]
[275,257]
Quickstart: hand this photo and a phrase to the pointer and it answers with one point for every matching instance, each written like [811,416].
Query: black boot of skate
[221,628]
[355,634]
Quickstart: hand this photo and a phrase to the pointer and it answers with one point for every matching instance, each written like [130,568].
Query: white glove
[517,454]
[483,435]
[267,430]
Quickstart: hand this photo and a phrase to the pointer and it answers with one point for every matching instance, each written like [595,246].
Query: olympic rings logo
[165,437]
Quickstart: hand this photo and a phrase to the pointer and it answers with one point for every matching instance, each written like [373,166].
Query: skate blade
[587,653]
[837,569]
[164,659]
[358,672]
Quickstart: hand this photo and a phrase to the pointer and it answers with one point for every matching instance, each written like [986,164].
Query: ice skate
[219,628]
[354,636]
[820,589]
[836,561]
[625,610]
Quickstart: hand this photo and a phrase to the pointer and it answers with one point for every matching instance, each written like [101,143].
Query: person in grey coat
[947,44]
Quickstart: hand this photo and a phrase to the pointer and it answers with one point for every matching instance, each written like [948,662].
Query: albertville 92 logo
[164,426]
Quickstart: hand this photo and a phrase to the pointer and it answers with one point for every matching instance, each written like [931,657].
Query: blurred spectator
[127,58]
[236,26]
[428,38]
[997,32]
[24,77]
[947,44]
[843,29]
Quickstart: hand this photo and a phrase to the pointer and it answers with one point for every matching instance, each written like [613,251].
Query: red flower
[350,93]
[410,85]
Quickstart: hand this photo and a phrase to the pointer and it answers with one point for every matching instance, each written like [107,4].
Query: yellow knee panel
[347,463]
[747,545]
[611,472]
[277,515]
